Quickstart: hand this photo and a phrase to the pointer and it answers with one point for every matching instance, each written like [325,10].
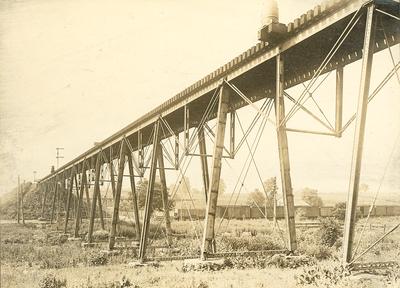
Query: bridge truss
[325,39]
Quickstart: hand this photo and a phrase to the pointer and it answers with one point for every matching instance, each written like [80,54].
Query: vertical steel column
[140,149]
[54,199]
[284,155]
[232,134]
[77,192]
[208,243]
[95,195]
[134,196]
[203,159]
[112,179]
[339,101]
[87,196]
[164,192]
[45,190]
[100,204]
[71,184]
[120,177]
[63,193]
[351,207]
[186,127]
[80,201]
[177,151]
[149,194]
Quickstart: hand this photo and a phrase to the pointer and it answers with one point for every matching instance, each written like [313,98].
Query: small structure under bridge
[324,39]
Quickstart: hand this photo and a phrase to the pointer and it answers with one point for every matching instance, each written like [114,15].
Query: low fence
[247,212]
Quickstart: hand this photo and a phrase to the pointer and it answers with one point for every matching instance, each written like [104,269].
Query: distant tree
[270,188]
[256,198]
[339,211]
[310,196]
[157,204]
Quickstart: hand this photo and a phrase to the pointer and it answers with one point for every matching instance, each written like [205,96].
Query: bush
[319,252]
[321,276]
[100,235]
[283,261]
[329,232]
[339,211]
[97,259]
[50,281]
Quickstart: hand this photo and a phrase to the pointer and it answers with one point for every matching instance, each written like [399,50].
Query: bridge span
[325,38]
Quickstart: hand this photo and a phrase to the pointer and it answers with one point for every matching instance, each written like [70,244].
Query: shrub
[320,252]
[329,232]
[100,235]
[50,281]
[321,276]
[339,211]
[97,259]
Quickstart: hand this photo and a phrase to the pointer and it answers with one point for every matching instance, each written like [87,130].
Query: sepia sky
[74,72]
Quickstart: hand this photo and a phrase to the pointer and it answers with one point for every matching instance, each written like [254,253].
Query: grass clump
[50,281]
[123,283]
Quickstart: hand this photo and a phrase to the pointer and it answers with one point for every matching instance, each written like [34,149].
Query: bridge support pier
[339,102]
[87,199]
[117,198]
[149,194]
[208,242]
[352,198]
[284,155]
[53,205]
[112,176]
[96,194]
[164,193]
[134,196]
[80,201]
[45,188]
[69,196]
[203,159]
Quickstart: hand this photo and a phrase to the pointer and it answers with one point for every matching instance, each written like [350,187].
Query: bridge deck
[307,42]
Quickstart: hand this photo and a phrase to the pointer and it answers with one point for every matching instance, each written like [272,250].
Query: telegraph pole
[34,176]
[58,156]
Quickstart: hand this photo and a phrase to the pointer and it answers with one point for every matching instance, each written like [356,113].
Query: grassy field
[32,256]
